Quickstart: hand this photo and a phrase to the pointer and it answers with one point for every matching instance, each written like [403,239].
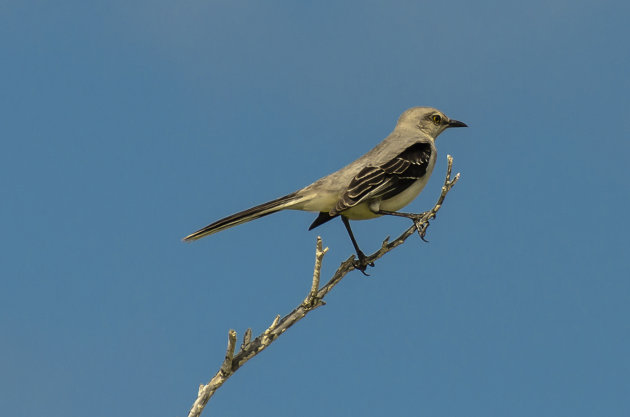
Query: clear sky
[128,124]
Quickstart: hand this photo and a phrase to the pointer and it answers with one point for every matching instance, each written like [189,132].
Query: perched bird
[381,182]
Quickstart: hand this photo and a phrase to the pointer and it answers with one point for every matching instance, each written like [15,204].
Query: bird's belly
[361,211]
[366,210]
[402,199]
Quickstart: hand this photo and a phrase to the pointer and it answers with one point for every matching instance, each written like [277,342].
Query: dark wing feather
[385,181]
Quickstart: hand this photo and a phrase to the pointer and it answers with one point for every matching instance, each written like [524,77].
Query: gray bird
[381,182]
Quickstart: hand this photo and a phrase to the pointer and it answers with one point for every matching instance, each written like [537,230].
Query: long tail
[247,215]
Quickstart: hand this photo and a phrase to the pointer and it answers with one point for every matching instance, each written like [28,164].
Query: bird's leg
[421,227]
[361,264]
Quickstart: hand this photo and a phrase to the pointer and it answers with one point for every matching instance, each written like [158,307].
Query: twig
[319,255]
[250,348]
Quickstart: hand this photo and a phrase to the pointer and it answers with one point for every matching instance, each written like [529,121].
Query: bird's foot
[422,224]
[362,263]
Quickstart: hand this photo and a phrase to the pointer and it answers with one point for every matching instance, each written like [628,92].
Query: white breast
[401,200]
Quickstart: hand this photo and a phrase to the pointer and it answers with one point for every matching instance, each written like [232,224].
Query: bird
[379,183]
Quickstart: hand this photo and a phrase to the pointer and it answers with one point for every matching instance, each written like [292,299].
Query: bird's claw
[421,227]
[361,263]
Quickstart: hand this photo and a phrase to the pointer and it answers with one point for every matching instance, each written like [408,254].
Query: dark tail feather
[321,219]
[247,215]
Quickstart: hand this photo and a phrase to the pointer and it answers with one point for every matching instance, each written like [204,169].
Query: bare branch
[246,338]
[206,391]
[319,255]
[250,348]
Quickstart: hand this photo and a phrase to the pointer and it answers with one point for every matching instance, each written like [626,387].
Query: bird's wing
[386,180]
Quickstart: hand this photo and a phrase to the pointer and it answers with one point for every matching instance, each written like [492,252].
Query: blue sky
[127,125]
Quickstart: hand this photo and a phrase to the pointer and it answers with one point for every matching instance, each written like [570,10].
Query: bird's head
[427,119]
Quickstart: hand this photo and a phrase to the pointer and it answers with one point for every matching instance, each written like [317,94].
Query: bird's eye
[436,119]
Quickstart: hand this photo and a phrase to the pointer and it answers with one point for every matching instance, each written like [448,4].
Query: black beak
[456,123]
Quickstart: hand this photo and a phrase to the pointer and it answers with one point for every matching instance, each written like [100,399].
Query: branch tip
[247,337]
[273,324]
[226,367]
